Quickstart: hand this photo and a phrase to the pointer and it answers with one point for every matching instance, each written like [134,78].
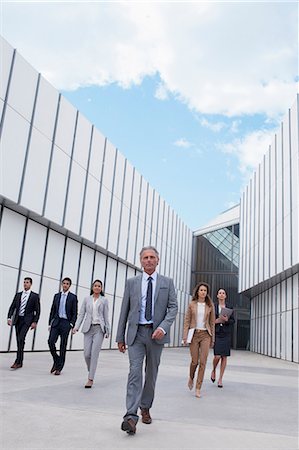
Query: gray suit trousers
[93,340]
[139,394]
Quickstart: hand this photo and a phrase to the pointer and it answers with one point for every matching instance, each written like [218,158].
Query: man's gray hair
[149,247]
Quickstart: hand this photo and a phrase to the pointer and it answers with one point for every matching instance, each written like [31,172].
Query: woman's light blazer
[86,314]
[191,319]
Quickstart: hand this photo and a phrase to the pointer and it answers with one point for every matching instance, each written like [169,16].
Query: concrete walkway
[256,409]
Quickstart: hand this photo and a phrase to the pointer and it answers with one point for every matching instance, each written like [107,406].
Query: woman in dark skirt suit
[223,328]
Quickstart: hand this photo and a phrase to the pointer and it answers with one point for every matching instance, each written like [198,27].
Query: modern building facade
[269,251]
[216,261]
[73,205]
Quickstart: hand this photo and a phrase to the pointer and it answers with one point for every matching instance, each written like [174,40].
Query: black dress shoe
[57,372]
[53,369]
[16,366]
[129,425]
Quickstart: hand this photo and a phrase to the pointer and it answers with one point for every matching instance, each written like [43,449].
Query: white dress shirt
[144,284]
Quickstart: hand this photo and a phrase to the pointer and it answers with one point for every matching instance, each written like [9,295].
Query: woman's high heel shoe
[89,384]
[190,384]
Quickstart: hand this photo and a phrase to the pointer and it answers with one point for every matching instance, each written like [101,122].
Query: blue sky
[191,93]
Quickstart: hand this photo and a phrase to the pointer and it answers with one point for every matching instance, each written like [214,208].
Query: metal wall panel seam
[77,286]
[264,221]
[51,156]
[85,184]
[275,207]
[113,305]
[130,213]
[269,226]
[28,140]
[41,277]
[282,194]
[137,226]
[19,273]
[145,214]
[291,182]
[111,200]
[100,193]
[70,170]
[121,205]
[7,90]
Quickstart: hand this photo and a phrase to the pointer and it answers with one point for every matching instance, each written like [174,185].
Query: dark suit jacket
[32,310]
[227,326]
[71,309]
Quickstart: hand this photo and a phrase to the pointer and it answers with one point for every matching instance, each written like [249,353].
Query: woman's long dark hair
[208,299]
[91,289]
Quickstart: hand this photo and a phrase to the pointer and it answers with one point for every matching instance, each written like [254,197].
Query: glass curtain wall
[216,261]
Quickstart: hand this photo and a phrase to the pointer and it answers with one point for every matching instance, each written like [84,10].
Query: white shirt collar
[153,275]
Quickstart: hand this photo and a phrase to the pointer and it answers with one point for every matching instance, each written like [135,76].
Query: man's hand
[184,341]
[121,347]
[33,325]
[74,330]
[9,322]
[158,334]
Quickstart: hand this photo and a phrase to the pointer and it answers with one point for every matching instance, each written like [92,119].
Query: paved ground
[256,409]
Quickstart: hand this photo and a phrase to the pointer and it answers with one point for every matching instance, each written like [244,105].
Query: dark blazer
[71,309]
[32,310]
[227,326]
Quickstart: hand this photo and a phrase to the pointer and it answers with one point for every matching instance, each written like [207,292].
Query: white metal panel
[54,254]
[295,333]
[75,198]
[114,225]
[82,141]
[23,87]
[86,266]
[11,237]
[119,176]
[46,108]
[34,247]
[103,219]
[65,126]
[8,281]
[90,208]
[121,279]
[295,181]
[35,180]
[99,268]
[136,193]
[57,186]
[123,236]
[132,239]
[128,185]
[96,154]
[71,261]
[13,149]
[6,52]
[110,277]
[109,166]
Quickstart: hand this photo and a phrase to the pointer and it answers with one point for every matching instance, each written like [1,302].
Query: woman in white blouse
[199,330]
[94,312]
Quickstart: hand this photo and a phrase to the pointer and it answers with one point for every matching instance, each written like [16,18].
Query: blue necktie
[149,295]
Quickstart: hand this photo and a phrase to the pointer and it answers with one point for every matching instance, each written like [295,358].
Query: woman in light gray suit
[94,312]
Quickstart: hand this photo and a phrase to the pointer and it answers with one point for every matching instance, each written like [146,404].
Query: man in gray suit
[149,308]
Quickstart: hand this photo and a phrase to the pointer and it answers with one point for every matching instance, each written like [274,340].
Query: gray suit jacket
[165,309]
[86,314]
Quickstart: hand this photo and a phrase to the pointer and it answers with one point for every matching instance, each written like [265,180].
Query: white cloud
[249,150]
[219,58]
[161,92]
[213,126]
[183,143]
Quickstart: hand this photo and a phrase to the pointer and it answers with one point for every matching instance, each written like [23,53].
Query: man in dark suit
[148,310]
[62,318]
[24,313]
